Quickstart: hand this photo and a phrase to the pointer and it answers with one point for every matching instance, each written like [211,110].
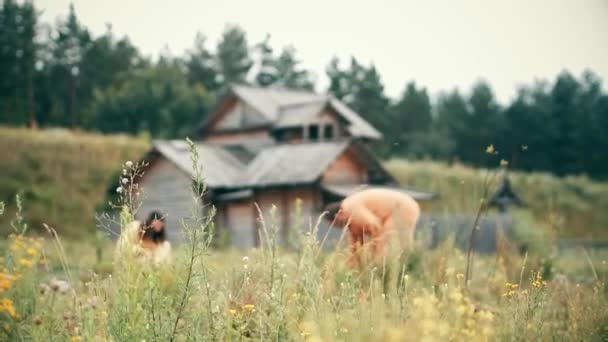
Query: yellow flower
[31,251]
[249,307]
[26,263]
[75,339]
[490,149]
[459,276]
[232,312]
[5,284]
[6,305]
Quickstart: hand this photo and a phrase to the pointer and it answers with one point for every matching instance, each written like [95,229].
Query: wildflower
[490,149]
[26,263]
[249,307]
[538,281]
[125,181]
[5,284]
[232,312]
[459,276]
[119,190]
[504,163]
[524,147]
[245,258]
[44,288]
[94,301]
[31,251]
[456,296]
[6,305]
[59,285]
[486,315]
[129,164]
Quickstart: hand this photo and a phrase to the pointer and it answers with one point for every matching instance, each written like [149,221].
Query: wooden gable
[348,168]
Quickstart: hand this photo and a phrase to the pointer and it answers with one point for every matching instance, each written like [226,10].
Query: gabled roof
[283,108]
[233,167]
[220,167]
[291,163]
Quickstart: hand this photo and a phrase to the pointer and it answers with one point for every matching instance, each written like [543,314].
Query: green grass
[304,294]
[570,207]
[63,176]
[271,294]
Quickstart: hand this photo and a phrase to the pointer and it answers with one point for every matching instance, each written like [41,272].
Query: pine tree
[565,114]
[200,65]
[233,58]
[267,72]
[452,120]
[68,48]
[484,123]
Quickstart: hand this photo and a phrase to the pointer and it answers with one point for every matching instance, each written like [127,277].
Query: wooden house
[272,147]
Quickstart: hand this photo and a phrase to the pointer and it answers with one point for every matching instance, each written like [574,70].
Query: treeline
[61,75]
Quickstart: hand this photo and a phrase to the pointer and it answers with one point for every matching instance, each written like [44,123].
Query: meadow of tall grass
[52,290]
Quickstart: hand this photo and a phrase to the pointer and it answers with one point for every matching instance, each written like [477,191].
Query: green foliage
[62,176]
[568,207]
[272,294]
[233,60]
[158,100]
[200,65]
[71,78]
[282,70]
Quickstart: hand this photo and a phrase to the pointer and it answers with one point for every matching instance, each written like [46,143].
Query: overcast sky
[439,44]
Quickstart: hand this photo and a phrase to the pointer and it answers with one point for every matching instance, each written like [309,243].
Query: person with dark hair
[148,239]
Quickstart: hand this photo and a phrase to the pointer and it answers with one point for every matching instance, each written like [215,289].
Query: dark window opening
[328,132]
[313,132]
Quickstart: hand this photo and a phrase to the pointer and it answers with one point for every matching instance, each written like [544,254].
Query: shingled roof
[287,108]
[291,163]
[233,167]
[220,167]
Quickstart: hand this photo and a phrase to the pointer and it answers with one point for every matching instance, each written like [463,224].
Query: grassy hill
[63,177]
[572,207]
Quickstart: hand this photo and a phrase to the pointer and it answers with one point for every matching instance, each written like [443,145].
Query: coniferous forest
[61,75]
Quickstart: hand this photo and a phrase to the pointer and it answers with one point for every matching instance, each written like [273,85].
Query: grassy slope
[574,207]
[64,177]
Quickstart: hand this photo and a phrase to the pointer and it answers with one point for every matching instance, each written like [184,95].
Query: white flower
[245,258]
[129,163]
[125,181]
[124,172]
[119,190]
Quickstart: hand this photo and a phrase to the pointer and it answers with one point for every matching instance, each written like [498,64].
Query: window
[328,132]
[313,132]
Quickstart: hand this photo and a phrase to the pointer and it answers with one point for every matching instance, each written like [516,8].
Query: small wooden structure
[271,147]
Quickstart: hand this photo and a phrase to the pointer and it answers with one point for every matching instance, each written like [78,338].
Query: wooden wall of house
[167,189]
[347,169]
[240,224]
[290,219]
